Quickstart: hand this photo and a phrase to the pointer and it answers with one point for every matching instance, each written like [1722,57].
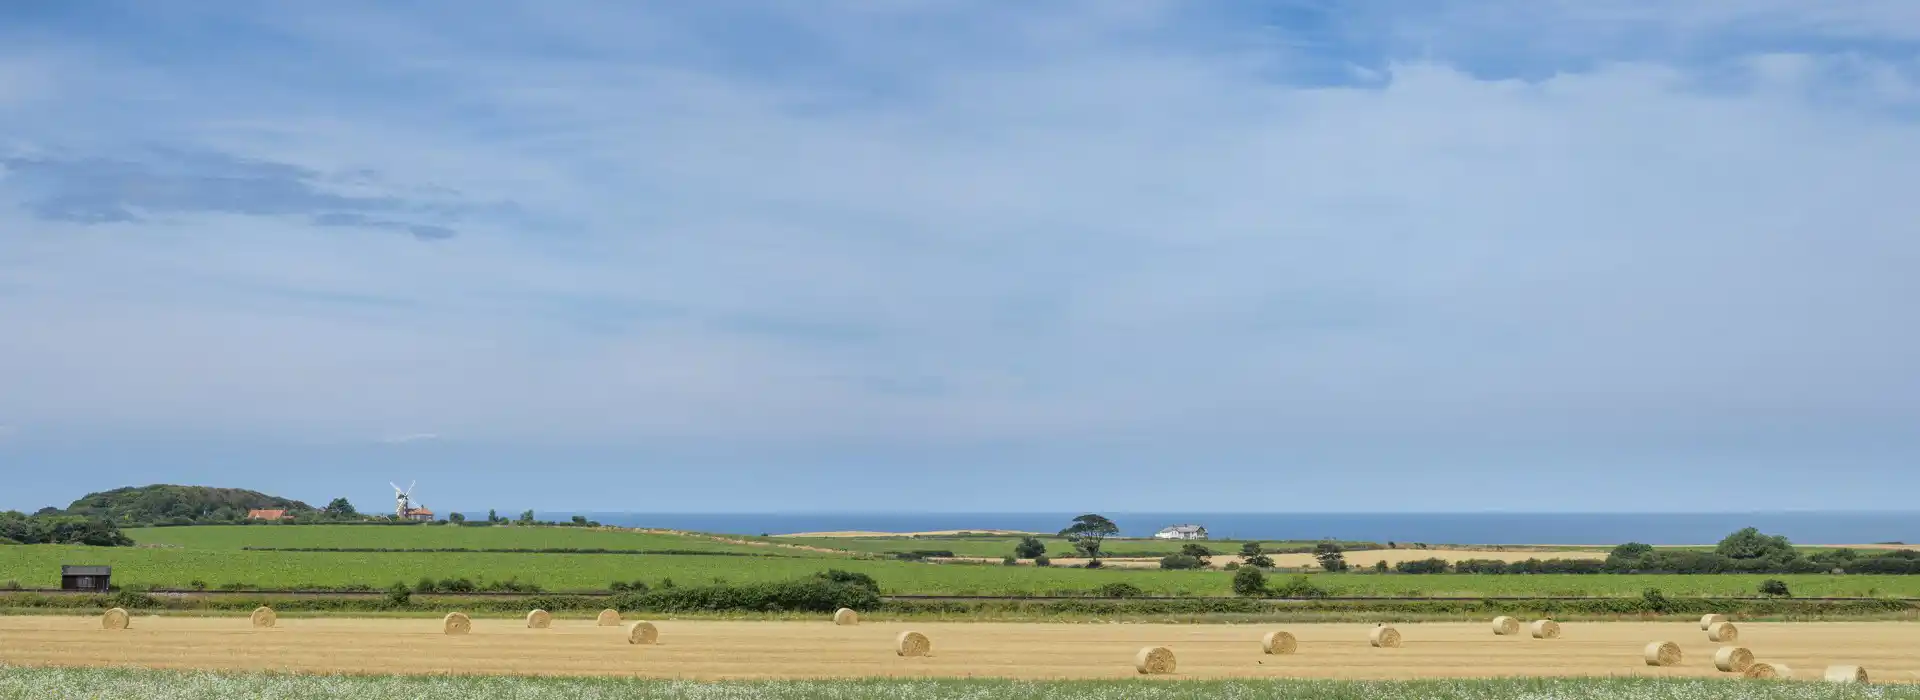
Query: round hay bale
[539,620]
[456,623]
[1384,637]
[1663,654]
[1733,659]
[1506,626]
[1279,642]
[642,632]
[1708,621]
[846,617]
[1546,629]
[608,618]
[1723,632]
[115,619]
[912,644]
[1154,661]
[1767,671]
[265,618]
[1846,674]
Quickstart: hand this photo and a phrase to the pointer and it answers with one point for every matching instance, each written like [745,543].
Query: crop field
[38,566]
[716,650]
[436,537]
[36,683]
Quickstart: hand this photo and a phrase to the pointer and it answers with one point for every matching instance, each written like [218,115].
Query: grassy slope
[23,683]
[39,565]
[433,537]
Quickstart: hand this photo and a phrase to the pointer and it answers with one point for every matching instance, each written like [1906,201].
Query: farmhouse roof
[420,511]
[275,514]
[86,570]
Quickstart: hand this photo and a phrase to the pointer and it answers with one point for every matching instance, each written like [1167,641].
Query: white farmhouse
[1182,532]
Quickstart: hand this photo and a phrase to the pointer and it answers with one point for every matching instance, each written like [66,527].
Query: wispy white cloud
[919,223]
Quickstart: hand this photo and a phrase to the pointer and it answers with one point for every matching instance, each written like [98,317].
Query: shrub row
[1674,562]
[823,595]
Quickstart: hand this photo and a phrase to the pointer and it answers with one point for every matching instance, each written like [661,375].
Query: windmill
[403,499]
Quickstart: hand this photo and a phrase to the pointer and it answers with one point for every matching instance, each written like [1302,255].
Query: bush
[1094,564]
[1299,587]
[1380,567]
[850,578]
[1195,550]
[1775,588]
[1030,548]
[1119,590]
[1181,561]
[131,600]
[1232,566]
[1248,581]
[1652,599]
[426,585]
[1009,561]
[399,596]
[1042,560]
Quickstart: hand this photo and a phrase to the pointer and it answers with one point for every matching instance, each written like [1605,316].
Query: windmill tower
[403,500]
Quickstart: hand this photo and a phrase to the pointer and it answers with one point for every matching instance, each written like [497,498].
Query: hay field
[820,650]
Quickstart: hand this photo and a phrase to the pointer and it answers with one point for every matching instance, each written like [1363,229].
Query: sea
[1804,527]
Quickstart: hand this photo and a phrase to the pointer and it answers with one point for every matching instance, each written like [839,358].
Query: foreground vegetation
[34,683]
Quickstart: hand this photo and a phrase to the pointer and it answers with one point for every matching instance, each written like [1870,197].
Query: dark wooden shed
[98,579]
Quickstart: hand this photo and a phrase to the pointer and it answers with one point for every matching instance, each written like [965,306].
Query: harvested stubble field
[36,683]
[710,650]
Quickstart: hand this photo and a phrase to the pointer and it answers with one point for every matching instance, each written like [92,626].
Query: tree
[1775,587]
[526,518]
[579,520]
[456,518]
[1750,543]
[1248,581]
[1030,548]
[1088,531]
[1251,555]
[1331,556]
[1197,551]
[493,516]
[340,508]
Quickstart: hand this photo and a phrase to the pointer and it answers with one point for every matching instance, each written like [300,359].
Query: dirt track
[709,649]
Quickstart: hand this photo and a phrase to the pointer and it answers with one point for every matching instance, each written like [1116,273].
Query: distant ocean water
[1435,528]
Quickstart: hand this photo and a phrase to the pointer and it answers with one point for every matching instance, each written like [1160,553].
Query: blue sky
[919,254]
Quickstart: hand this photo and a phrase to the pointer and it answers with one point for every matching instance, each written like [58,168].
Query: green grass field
[38,566]
[36,683]
[434,537]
